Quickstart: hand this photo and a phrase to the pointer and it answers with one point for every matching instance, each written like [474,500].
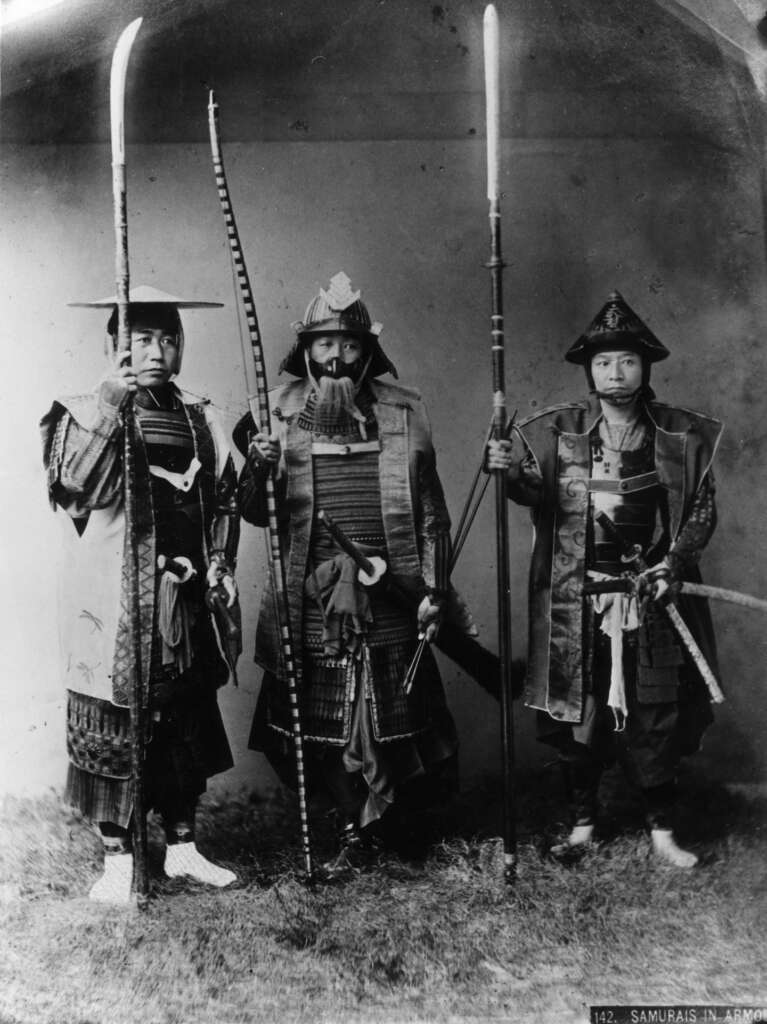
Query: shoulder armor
[692,414]
[188,398]
[691,420]
[550,410]
[81,408]
[395,394]
[287,399]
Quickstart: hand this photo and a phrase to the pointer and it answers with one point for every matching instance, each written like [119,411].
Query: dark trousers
[647,748]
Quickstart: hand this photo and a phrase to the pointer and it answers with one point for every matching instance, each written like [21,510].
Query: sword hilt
[630,553]
[216,600]
[371,570]
[345,543]
[633,553]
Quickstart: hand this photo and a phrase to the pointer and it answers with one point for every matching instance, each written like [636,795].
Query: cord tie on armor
[620,614]
[173,622]
[344,603]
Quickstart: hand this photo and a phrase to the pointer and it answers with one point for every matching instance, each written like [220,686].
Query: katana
[137,695]
[499,424]
[627,585]
[632,555]
[215,597]
[259,410]
[475,660]
[756,604]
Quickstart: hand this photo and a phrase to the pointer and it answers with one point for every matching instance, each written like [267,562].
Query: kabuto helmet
[151,306]
[338,310]
[616,326]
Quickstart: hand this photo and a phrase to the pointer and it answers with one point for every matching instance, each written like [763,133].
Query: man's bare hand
[219,574]
[654,581]
[265,448]
[430,612]
[119,381]
[499,456]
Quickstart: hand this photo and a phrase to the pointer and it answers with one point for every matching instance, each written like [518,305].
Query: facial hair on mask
[335,399]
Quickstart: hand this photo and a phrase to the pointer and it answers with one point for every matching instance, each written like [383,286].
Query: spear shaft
[495,265]
[122,276]
[259,409]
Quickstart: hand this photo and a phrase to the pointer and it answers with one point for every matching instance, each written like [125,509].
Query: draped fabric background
[633,155]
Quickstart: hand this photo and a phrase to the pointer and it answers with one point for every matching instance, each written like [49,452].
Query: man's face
[344,347]
[617,373]
[154,354]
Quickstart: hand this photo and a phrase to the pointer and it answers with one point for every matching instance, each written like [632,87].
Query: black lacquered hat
[616,325]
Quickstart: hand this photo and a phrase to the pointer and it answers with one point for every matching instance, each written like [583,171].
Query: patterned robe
[555,482]
[180,512]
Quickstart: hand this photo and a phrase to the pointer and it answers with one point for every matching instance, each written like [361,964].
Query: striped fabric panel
[165,427]
[348,487]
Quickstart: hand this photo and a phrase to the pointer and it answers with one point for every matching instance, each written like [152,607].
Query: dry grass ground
[434,938]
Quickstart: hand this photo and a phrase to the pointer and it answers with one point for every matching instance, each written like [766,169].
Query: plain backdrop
[632,158]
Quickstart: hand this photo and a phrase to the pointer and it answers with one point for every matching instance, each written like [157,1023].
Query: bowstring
[235,414]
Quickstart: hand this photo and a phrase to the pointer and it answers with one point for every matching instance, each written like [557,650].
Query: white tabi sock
[666,848]
[114,886]
[580,836]
[184,860]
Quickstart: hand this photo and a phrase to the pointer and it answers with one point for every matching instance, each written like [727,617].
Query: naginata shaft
[259,408]
[495,265]
[122,274]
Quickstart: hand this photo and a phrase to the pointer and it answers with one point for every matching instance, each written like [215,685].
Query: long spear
[495,265]
[122,275]
[259,410]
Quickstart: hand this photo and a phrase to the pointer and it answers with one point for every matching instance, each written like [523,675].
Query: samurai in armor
[346,444]
[185,537]
[619,472]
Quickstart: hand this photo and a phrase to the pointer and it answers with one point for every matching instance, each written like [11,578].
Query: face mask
[618,400]
[337,369]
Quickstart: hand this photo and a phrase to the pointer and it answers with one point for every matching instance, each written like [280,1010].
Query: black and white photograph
[384,421]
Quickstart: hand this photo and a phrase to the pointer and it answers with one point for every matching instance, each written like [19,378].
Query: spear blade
[117,80]
[492,94]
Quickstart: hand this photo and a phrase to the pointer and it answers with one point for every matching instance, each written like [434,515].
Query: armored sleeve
[696,532]
[524,482]
[84,464]
[251,491]
[225,526]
